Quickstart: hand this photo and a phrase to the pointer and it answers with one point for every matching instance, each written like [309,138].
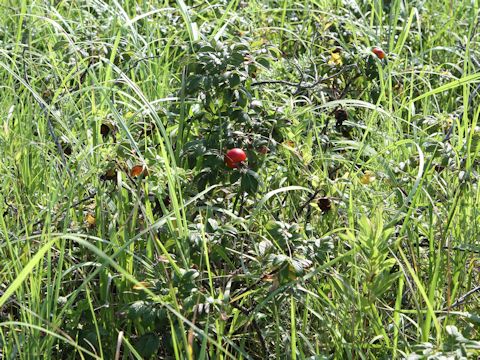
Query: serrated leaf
[143,310]
[147,345]
[264,246]
[250,182]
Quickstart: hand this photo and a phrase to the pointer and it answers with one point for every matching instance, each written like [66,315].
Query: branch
[301,85]
[461,300]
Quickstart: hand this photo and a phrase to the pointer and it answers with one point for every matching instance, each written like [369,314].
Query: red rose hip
[234,157]
[379,52]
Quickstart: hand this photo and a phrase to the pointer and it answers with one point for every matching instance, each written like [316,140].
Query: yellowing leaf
[268,278]
[90,219]
[335,59]
[315,180]
[307,156]
[289,144]
[129,114]
[368,177]
[6,130]
[142,285]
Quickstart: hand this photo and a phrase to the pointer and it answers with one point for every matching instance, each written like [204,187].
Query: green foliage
[375,242]
[226,114]
[351,230]
[456,347]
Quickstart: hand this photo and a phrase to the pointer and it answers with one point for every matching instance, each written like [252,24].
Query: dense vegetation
[350,231]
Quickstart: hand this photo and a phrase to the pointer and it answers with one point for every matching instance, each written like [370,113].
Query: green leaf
[206,49]
[144,311]
[264,62]
[250,182]
[147,345]
[242,97]
[235,176]
[212,225]
[234,80]
[60,45]
[264,247]
[20,278]
[195,148]
[279,232]
[236,59]
[194,83]
[240,116]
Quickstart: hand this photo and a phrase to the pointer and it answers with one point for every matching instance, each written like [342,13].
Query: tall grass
[361,241]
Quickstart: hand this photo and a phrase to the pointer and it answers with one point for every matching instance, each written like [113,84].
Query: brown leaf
[138,170]
[110,174]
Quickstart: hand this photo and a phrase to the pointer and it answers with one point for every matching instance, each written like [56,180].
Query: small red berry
[379,52]
[234,157]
